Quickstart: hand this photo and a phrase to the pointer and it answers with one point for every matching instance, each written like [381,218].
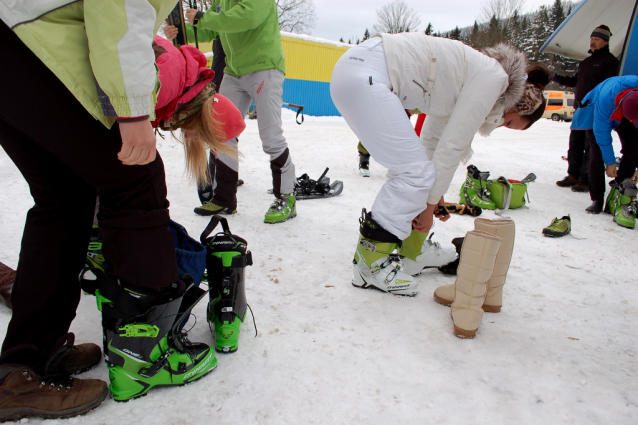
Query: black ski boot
[226,260]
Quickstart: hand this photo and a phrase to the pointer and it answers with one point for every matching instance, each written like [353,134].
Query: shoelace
[59,379]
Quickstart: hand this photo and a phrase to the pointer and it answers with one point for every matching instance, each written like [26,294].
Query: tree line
[501,21]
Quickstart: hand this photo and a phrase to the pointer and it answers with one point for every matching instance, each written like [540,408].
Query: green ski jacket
[249,32]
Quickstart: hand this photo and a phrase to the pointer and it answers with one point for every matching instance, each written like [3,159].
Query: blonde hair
[205,133]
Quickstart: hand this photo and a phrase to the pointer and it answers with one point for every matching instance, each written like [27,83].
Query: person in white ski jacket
[461,90]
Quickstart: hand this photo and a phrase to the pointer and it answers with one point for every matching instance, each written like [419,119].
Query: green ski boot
[375,264]
[622,203]
[474,190]
[143,347]
[282,209]
[226,261]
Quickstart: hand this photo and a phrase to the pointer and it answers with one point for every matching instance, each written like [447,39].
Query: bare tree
[296,16]
[395,17]
[501,9]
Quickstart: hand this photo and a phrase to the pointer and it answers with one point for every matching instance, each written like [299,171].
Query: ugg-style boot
[505,230]
[475,268]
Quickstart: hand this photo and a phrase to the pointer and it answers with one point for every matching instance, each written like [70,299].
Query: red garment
[618,115]
[179,69]
[420,119]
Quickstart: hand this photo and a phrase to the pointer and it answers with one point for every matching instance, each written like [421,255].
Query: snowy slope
[562,351]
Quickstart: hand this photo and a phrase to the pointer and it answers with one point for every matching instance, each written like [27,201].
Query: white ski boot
[431,254]
[385,274]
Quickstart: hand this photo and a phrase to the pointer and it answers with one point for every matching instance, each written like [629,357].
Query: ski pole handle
[300,109]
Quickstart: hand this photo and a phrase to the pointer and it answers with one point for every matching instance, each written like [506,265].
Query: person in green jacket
[71,70]
[255,68]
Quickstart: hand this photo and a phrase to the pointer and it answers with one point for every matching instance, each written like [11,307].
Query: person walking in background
[255,67]
[601,65]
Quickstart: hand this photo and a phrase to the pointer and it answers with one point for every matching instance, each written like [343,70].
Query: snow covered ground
[562,351]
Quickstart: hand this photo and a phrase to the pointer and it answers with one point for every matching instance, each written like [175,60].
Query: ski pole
[198,15]
[299,111]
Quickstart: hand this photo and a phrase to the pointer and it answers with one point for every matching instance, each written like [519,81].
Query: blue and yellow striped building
[309,65]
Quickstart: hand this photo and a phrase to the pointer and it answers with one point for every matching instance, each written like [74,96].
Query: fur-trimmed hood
[515,65]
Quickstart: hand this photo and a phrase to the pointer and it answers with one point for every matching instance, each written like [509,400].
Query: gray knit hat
[603,32]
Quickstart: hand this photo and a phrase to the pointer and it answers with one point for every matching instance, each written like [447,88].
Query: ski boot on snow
[94,257]
[317,189]
[419,252]
[282,209]
[621,203]
[226,260]
[474,190]
[375,263]
[143,346]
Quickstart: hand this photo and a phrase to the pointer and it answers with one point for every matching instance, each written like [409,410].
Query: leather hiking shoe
[81,358]
[596,207]
[24,393]
[580,187]
[209,208]
[568,181]
[559,227]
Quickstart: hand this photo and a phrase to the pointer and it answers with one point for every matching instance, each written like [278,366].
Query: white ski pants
[360,89]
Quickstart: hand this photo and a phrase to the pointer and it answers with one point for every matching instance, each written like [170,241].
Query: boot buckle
[139,330]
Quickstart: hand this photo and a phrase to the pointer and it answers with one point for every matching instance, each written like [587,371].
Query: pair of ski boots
[227,256]
[474,191]
[377,265]
[144,346]
[621,203]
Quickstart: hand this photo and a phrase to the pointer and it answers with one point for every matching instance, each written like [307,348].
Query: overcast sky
[350,18]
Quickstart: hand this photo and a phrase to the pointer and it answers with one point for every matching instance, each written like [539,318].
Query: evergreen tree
[341,40]
[429,29]
[455,34]
[366,35]
[557,15]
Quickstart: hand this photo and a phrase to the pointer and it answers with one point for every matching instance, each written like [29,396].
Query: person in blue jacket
[603,112]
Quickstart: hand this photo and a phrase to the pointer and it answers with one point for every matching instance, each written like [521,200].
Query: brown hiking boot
[568,181]
[81,358]
[23,393]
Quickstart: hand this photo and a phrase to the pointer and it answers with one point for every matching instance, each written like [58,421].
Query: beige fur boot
[476,265]
[504,229]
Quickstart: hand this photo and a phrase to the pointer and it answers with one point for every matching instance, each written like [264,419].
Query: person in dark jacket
[601,65]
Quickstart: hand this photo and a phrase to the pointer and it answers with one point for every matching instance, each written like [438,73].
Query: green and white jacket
[101,50]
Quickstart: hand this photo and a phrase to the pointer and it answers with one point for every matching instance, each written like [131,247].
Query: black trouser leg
[596,169]
[224,182]
[67,156]
[629,140]
[576,156]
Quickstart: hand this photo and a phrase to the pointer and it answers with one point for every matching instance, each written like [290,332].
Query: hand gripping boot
[226,260]
[375,263]
[419,252]
[143,346]
[478,256]
[505,230]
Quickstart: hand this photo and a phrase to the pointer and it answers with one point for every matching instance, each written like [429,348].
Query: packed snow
[562,350]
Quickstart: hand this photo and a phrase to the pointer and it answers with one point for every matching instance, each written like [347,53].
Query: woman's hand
[423,222]
[138,143]
[611,171]
[170,31]
[190,15]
